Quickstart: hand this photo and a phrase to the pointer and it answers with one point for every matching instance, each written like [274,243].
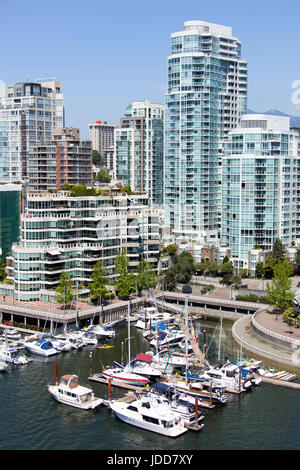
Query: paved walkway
[269,320]
[244,335]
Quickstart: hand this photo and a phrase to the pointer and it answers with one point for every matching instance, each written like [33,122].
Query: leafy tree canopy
[64,289]
[99,283]
[125,284]
[97,159]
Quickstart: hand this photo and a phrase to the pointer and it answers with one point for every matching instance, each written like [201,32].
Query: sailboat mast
[220,337]
[129,352]
[186,338]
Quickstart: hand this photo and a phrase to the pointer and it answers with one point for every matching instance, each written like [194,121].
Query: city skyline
[112,62]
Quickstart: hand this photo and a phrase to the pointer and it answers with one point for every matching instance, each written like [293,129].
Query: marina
[86,364]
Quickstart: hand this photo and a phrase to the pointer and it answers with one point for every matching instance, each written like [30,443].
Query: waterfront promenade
[244,334]
[243,331]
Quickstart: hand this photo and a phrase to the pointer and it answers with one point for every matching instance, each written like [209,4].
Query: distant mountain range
[295,120]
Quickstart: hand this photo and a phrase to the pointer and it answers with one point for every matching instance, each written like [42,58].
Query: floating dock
[98,378]
[281,383]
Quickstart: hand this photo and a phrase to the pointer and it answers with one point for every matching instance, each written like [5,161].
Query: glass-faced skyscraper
[139,148]
[260,200]
[207,94]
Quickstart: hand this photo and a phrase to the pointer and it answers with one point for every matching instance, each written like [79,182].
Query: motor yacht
[207,392]
[11,333]
[164,339]
[227,376]
[149,415]
[89,338]
[165,357]
[101,331]
[69,392]
[41,347]
[121,375]
[179,403]
[12,355]
[142,368]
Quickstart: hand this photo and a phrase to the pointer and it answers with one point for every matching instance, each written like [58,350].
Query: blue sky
[108,53]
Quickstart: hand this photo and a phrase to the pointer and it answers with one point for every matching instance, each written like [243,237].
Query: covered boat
[69,392]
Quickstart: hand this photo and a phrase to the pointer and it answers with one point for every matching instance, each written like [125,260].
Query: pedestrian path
[244,335]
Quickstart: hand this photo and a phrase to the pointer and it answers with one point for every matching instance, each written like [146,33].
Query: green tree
[170,279]
[170,250]
[103,176]
[271,262]
[236,281]
[99,282]
[297,261]
[259,270]
[97,159]
[226,268]
[278,251]
[146,276]
[2,270]
[80,190]
[64,290]
[279,292]
[125,284]
[126,189]
[185,267]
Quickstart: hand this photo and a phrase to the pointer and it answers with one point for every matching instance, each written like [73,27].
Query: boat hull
[117,378]
[83,406]
[45,353]
[169,432]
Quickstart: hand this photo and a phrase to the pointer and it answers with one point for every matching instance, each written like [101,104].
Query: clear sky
[107,53]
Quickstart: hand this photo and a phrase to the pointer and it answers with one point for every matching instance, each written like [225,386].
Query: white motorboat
[183,408]
[228,377]
[101,331]
[149,415]
[89,338]
[121,375]
[166,338]
[182,346]
[61,345]
[144,369]
[275,374]
[11,333]
[206,392]
[166,358]
[147,320]
[69,392]
[41,347]
[252,364]
[3,366]
[10,354]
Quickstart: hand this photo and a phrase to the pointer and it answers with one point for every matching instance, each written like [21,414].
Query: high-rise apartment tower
[206,95]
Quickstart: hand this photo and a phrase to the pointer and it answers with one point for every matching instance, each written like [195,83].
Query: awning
[144,357]
[54,252]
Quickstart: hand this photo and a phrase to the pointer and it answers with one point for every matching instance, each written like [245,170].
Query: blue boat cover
[159,326]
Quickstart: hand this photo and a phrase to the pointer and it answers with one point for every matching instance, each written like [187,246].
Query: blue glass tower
[207,94]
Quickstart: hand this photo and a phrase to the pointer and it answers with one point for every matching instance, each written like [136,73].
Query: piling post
[91,356]
[109,388]
[56,374]
[122,352]
[210,393]
[196,410]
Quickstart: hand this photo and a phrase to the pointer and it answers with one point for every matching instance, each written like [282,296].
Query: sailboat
[121,374]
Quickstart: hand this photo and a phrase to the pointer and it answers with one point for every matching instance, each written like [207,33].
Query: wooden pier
[281,383]
[98,378]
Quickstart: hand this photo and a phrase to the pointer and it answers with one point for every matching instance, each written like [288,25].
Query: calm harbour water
[267,418]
